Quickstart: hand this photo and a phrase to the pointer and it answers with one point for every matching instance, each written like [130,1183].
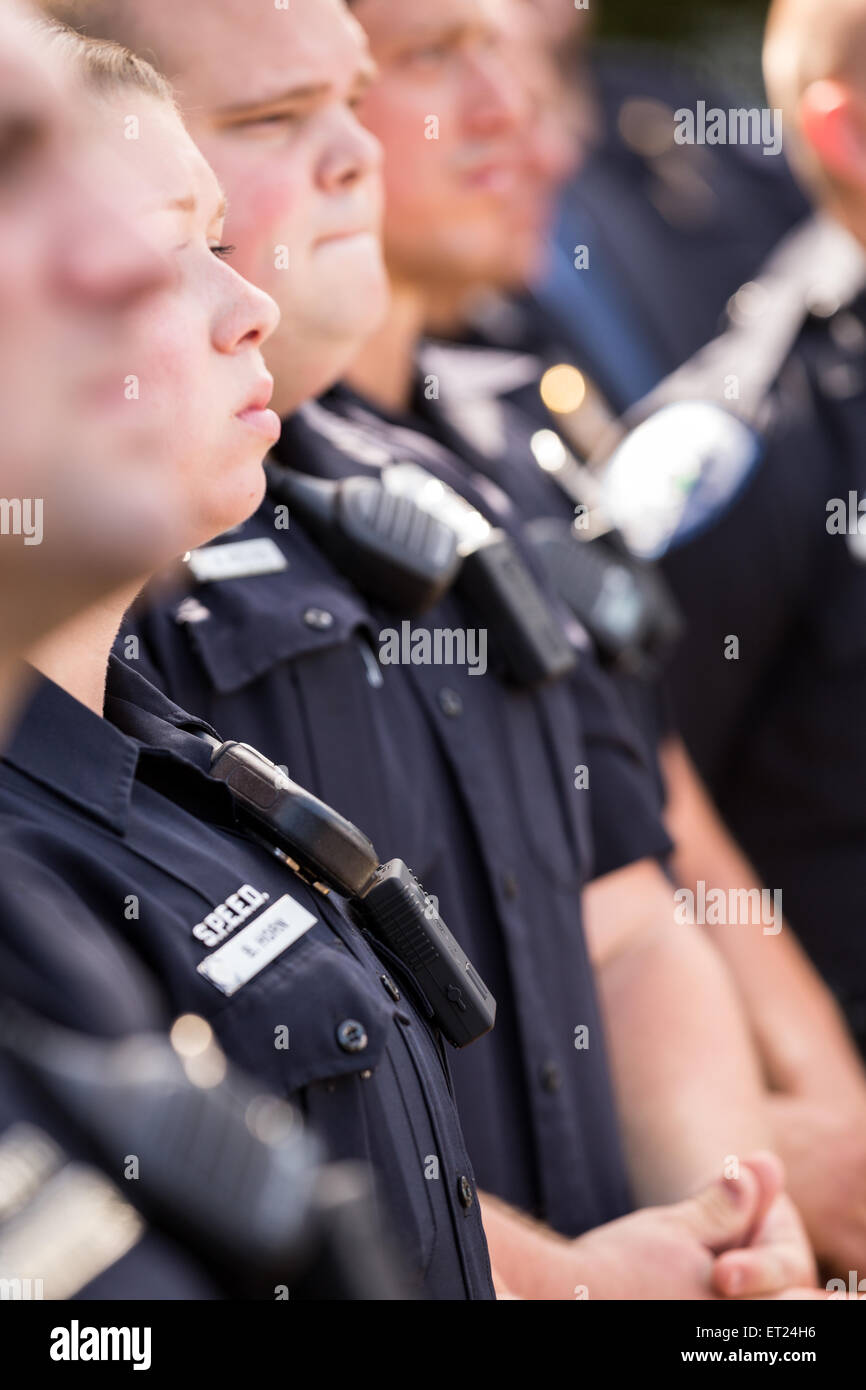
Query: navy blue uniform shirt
[470,781]
[779,733]
[474,415]
[122,811]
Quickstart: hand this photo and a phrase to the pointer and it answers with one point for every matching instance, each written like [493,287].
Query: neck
[75,656]
[383,370]
[448,311]
[13,687]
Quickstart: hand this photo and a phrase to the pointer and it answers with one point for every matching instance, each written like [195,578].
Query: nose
[496,99]
[247,318]
[351,154]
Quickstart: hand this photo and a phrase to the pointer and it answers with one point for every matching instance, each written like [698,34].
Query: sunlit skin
[449,113]
[520,116]
[200,373]
[274,110]
[199,365]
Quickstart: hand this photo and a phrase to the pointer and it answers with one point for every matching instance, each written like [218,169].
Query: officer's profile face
[451,109]
[269,97]
[78,514]
[550,144]
[197,367]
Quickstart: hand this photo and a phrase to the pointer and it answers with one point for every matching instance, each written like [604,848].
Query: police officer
[792,373]
[764,558]
[72,1102]
[649,238]
[55,463]
[251,639]
[671,230]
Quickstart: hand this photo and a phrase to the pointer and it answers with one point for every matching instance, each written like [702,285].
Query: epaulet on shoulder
[694,442]
[815,271]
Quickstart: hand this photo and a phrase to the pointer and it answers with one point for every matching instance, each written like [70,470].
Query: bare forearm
[800,1034]
[687,1080]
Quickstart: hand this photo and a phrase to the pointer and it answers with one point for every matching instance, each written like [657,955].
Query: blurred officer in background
[282,658]
[672,230]
[73,283]
[76,278]
[795,1019]
[649,238]
[768,683]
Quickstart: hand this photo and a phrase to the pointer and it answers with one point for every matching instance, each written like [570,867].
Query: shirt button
[464,1192]
[319,618]
[551,1080]
[351,1035]
[510,885]
[450,702]
[390,987]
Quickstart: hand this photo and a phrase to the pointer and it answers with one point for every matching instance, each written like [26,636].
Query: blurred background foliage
[721,41]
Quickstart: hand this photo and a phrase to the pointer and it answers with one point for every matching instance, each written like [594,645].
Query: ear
[833,124]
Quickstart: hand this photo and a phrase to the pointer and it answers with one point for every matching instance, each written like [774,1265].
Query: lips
[255,413]
[492,177]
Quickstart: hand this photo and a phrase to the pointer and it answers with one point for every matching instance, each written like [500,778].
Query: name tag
[237,560]
[255,946]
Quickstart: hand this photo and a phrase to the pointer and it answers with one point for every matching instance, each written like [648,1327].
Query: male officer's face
[269,97]
[197,365]
[462,144]
[79,511]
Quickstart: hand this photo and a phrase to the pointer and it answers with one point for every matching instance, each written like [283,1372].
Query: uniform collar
[92,762]
[138,709]
[472,373]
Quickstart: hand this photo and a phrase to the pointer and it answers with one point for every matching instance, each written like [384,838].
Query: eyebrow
[437,31]
[190,203]
[310,91]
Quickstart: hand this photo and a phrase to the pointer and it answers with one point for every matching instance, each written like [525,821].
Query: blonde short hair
[106,67]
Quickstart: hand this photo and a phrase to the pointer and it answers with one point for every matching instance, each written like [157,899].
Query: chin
[234,503]
[357,295]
